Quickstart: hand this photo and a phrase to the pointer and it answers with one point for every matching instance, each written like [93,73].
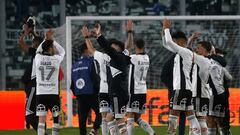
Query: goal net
[222,31]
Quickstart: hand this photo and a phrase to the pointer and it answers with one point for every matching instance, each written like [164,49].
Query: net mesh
[224,34]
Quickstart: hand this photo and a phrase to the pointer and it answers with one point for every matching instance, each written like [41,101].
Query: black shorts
[119,104]
[137,103]
[181,100]
[201,106]
[104,102]
[45,102]
[217,105]
[30,99]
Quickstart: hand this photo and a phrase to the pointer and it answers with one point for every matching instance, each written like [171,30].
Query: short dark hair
[46,45]
[220,51]
[38,39]
[83,48]
[140,43]
[179,35]
[207,45]
[118,43]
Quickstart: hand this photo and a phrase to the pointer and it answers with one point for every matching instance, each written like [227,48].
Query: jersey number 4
[49,69]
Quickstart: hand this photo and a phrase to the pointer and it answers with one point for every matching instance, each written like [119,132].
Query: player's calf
[113,127]
[172,124]
[56,126]
[194,128]
[203,125]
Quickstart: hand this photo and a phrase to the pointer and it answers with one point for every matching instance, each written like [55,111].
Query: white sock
[104,126]
[212,131]
[145,126]
[172,124]
[194,127]
[130,126]
[41,129]
[203,125]
[55,129]
[113,128]
[122,129]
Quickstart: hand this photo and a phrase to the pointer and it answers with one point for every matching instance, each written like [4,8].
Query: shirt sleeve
[200,60]
[60,50]
[165,45]
[98,56]
[183,52]
[227,75]
[104,43]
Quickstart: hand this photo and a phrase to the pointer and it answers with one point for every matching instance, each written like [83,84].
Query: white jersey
[182,63]
[47,71]
[216,79]
[103,60]
[200,76]
[138,74]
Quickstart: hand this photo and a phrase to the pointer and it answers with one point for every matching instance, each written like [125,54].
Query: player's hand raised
[129,26]
[49,34]
[85,32]
[195,35]
[166,24]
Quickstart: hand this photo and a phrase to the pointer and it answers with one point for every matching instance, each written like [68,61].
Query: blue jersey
[85,79]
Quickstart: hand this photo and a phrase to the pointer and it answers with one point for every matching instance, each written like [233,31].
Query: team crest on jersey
[80,83]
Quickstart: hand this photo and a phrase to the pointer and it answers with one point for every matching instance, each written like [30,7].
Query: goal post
[226,28]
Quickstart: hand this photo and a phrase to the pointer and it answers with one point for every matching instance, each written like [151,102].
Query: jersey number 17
[51,69]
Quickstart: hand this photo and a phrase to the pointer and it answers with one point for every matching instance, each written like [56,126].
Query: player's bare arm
[86,34]
[129,42]
[22,44]
[168,38]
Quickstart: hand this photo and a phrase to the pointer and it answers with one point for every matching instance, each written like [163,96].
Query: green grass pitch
[161,130]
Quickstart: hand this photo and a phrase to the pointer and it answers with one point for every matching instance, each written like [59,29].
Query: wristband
[86,37]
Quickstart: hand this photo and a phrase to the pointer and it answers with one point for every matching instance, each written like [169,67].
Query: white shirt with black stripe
[217,73]
[182,64]
[200,76]
[103,60]
[138,73]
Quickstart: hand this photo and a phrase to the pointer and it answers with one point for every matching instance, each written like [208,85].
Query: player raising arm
[182,96]
[48,59]
[137,86]
[118,87]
